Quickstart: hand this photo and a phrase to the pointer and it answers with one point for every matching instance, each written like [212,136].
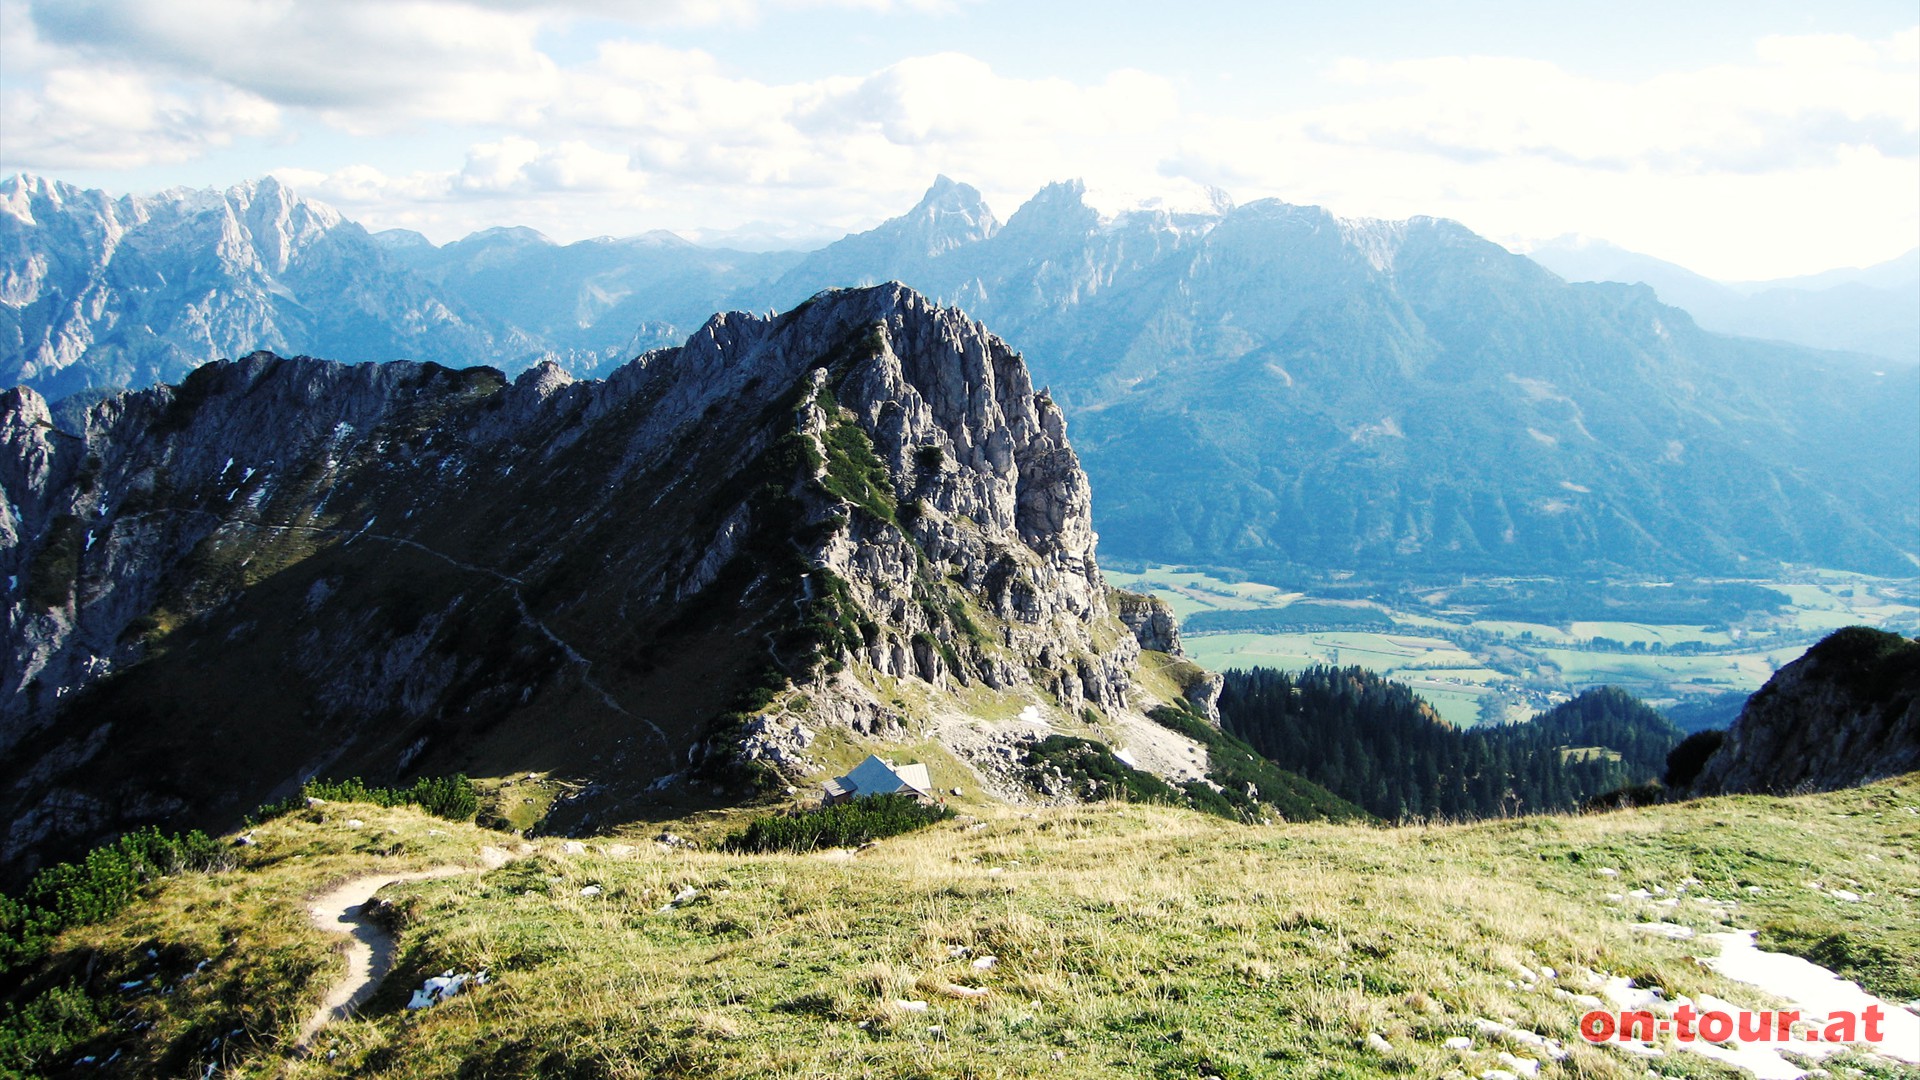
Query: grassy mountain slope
[1127,940]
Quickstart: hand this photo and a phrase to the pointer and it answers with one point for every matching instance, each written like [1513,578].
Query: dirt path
[370,949]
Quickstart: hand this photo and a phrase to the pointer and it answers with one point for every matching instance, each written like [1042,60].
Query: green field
[1629,633]
[1456,660]
[1733,671]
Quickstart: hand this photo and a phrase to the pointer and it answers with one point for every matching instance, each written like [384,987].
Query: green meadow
[1474,662]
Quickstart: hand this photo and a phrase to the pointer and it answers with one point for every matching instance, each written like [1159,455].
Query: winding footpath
[370,949]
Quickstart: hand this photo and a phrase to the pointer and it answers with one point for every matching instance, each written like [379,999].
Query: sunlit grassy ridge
[1126,940]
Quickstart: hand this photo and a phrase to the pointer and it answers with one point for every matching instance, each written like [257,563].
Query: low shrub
[451,797]
[97,887]
[1089,770]
[846,824]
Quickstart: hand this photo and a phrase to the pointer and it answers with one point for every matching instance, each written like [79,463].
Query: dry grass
[1125,940]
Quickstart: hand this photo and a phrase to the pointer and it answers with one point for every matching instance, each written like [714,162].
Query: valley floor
[1474,667]
[1106,940]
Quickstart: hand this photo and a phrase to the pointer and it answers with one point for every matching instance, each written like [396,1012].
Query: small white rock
[1523,1066]
[985,962]
[1458,1042]
[910,1006]
[1378,1043]
[1665,931]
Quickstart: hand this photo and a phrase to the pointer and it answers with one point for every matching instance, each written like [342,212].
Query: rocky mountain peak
[951,217]
[1056,212]
[786,524]
[948,216]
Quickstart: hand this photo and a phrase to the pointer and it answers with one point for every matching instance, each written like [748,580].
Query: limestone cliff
[844,516]
[1846,713]
[1152,622]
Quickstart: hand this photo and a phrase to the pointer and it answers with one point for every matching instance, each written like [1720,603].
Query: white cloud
[1694,165]
[517,166]
[953,98]
[361,64]
[670,130]
[1796,159]
[1805,101]
[81,118]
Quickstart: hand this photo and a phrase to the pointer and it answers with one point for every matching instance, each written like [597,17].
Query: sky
[1744,140]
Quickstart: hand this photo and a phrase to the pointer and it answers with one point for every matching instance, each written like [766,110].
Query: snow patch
[1813,990]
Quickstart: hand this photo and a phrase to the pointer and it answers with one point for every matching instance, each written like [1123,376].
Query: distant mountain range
[1873,310]
[1266,386]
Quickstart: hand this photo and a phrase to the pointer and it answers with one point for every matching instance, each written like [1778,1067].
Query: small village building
[876,777]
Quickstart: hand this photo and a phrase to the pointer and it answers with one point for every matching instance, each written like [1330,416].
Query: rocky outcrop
[1204,692]
[1151,620]
[722,549]
[1846,713]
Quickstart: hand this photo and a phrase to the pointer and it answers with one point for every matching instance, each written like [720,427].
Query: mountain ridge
[1237,371]
[1873,310]
[791,533]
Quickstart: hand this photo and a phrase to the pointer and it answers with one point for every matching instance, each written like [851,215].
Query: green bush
[97,887]
[47,1027]
[451,797]
[846,824]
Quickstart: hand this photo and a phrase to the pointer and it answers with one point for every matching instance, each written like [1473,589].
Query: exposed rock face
[1204,692]
[297,565]
[1844,714]
[1152,622]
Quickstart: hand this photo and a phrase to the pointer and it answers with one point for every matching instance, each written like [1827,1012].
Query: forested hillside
[1374,742]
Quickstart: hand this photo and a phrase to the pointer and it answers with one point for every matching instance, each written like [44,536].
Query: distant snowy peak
[1060,208]
[260,221]
[1172,200]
